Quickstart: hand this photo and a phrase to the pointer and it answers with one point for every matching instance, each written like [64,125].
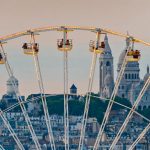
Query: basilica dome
[12,86]
[121,57]
[12,79]
[147,75]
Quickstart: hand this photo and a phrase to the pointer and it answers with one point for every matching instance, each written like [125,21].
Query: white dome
[12,79]
[11,90]
[121,57]
[147,75]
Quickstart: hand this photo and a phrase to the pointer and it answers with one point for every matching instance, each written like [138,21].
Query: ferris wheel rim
[63,27]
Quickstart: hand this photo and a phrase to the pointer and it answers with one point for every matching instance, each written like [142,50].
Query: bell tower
[106,71]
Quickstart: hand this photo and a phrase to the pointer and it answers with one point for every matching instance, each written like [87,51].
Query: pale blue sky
[118,15]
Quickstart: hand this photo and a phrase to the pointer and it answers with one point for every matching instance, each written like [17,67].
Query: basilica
[131,83]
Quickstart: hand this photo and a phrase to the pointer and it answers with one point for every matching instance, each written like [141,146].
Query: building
[73,90]
[131,83]
[106,82]
[10,97]
[73,93]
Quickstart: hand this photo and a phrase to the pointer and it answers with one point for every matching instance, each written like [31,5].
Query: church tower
[106,71]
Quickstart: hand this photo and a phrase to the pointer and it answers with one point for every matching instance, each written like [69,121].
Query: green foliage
[76,107]
[122,101]
[96,109]
[145,112]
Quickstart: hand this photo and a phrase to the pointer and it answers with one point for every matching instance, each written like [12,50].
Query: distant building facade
[10,97]
[131,83]
[106,79]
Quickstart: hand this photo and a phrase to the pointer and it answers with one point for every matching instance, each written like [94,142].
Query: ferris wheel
[65,45]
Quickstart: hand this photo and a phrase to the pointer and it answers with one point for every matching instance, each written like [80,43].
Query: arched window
[129,76]
[132,76]
[126,76]
[107,63]
[135,76]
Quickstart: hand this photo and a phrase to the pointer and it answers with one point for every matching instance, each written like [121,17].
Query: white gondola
[133,56]
[64,47]
[30,48]
[99,49]
[2,59]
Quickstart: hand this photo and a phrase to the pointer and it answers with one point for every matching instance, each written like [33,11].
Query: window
[132,76]
[135,76]
[129,76]
[126,76]
[122,95]
[107,63]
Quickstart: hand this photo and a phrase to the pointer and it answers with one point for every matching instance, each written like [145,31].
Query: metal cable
[14,135]
[110,104]
[146,85]
[87,101]
[23,108]
[42,91]
[140,137]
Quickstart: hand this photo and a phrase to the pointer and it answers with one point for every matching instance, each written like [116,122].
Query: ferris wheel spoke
[146,129]
[45,107]
[43,97]
[1,147]
[14,135]
[66,111]
[110,104]
[112,98]
[65,45]
[96,48]
[22,106]
[146,85]
[87,102]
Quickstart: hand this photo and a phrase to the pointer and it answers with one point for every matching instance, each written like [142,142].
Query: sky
[20,15]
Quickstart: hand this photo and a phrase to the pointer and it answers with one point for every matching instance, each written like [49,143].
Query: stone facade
[131,83]
[106,83]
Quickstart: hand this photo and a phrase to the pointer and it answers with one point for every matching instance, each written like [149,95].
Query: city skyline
[52,66]
[75,74]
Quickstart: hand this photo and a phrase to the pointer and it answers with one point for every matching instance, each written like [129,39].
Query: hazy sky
[118,15]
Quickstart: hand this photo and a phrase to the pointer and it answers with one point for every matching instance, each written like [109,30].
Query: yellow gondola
[99,49]
[133,56]
[64,47]
[30,48]
[2,59]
